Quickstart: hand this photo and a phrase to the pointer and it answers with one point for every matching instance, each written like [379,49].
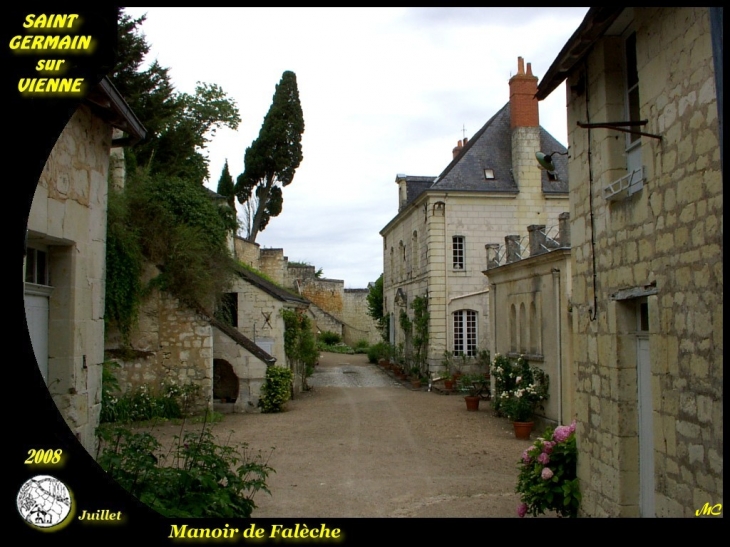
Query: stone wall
[68,220]
[358,324]
[171,343]
[273,263]
[532,299]
[328,294]
[660,248]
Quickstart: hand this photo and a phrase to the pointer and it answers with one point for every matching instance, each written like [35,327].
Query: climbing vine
[420,321]
[300,345]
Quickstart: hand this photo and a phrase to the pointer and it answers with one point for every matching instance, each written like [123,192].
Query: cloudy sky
[383,91]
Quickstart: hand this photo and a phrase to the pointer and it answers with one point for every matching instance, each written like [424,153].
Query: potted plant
[473,386]
[529,391]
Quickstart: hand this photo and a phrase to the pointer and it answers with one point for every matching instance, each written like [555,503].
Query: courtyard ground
[362,444]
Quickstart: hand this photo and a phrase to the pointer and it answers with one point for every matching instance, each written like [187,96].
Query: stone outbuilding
[646,197]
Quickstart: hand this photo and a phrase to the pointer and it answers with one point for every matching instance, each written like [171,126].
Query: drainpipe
[559,340]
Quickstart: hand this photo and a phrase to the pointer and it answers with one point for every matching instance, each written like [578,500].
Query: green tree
[178,124]
[272,159]
[225,186]
[375,307]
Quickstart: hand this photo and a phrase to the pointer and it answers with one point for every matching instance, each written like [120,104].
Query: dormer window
[489,174]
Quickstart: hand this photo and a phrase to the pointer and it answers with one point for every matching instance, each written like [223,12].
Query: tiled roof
[491,148]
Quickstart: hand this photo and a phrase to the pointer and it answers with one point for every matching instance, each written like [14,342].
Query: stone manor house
[435,245]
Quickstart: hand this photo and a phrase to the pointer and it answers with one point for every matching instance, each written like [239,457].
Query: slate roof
[271,288]
[415,185]
[491,148]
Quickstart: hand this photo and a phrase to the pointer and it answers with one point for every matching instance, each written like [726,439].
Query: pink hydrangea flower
[522,509]
[526,456]
[547,447]
[572,426]
[547,474]
[561,433]
[543,458]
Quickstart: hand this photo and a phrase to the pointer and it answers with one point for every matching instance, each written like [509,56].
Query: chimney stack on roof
[457,149]
[522,102]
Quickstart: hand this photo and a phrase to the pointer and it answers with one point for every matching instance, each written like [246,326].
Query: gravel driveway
[361,444]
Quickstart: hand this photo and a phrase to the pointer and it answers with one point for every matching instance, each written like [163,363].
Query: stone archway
[225,381]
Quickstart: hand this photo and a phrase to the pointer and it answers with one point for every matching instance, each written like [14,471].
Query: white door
[36,314]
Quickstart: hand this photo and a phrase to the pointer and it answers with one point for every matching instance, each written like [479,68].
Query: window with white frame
[465,332]
[457,246]
[36,267]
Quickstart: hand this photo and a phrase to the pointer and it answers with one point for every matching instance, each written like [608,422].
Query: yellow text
[54,20]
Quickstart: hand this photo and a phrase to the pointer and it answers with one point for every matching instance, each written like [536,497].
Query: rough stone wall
[666,238]
[358,324]
[543,281]
[273,263]
[68,215]
[328,294]
[326,322]
[172,344]
[246,252]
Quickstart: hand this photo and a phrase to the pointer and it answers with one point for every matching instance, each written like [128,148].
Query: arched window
[513,328]
[534,346]
[465,332]
[523,329]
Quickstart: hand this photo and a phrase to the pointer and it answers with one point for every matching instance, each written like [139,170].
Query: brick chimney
[522,101]
[459,148]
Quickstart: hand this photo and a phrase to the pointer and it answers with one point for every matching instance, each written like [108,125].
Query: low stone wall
[170,344]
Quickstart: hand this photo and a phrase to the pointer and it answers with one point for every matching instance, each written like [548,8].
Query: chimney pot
[523,104]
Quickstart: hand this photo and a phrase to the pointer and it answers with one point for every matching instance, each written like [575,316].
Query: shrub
[361,346]
[381,350]
[519,388]
[329,338]
[276,389]
[203,479]
[171,401]
[547,478]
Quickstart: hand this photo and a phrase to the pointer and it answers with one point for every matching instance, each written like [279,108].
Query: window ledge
[530,357]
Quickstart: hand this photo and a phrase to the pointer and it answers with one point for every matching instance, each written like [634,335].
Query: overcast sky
[383,91]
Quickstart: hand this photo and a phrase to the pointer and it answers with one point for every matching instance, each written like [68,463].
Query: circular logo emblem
[44,501]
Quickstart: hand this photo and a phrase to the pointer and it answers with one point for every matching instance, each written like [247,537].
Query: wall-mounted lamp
[546,160]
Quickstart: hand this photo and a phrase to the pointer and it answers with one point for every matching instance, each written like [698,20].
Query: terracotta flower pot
[448,384]
[472,402]
[523,429]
